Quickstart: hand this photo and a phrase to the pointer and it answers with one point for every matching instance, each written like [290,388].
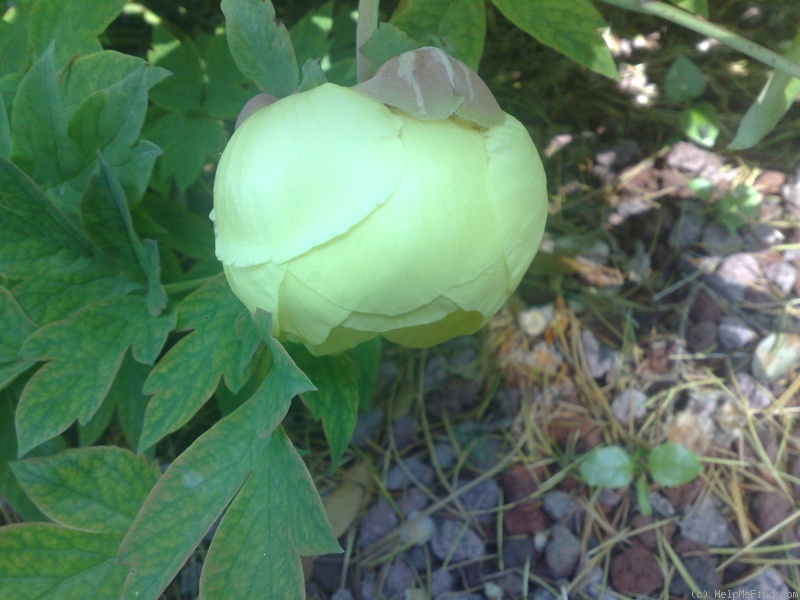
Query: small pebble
[367,426]
[768,582]
[492,591]
[376,523]
[734,275]
[481,499]
[562,552]
[342,594]
[399,579]
[701,336]
[783,275]
[733,333]
[705,525]
[456,540]
[536,319]
[562,508]
[775,356]
[629,403]
[441,582]
[661,506]
[413,470]
[405,432]
[757,397]
[418,530]
[600,359]
[444,455]
[703,571]
[718,241]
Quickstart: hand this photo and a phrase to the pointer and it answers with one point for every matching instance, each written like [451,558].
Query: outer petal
[435,233]
[285,184]
[518,195]
[258,287]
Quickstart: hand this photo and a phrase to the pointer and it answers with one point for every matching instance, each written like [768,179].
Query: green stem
[186,286]
[365,27]
[695,23]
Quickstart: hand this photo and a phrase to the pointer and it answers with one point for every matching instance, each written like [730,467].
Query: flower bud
[347,219]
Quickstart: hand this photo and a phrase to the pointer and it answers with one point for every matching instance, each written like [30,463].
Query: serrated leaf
[85,352]
[127,394]
[227,89]
[196,488]
[15,330]
[38,128]
[775,99]
[684,81]
[41,248]
[313,76]
[188,143]
[73,24]
[672,465]
[106,219]
[261,46]
[572,28]
[385,43]
[608,467]
[184,379]
[456,26]
[173,225]
[337,397]
[275,518]
[96,489]
[182,91]
[40,560]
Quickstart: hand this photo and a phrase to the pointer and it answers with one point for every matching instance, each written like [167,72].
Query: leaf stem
[695,23]
[366,25]
[187,286]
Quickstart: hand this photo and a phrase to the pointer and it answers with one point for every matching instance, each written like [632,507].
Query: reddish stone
[635,572]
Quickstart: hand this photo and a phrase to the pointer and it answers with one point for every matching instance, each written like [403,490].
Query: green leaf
[313,76]
[261,46]
[15,330]
[738,206]
[572,28]
[94,489]
[311,34]
[39,130]
[9,486]
[40,560]
[368,360]
[188,143]
[275,518]
[456,26]
[107,222]
[774,101]
[608,467]
[127,395]
[5,131]
[55,262]
[73,24]
[95,73]
[182,91]
[672,465]
[94,428]
[227,89]
[13,37]
[684,81]
[174,226]
[222,344]
[85,352]
[698,7]
[336,399]
[387,42]
[245,446]
[699,123]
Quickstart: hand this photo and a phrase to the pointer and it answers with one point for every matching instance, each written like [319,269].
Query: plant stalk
[365,26]
[695,23]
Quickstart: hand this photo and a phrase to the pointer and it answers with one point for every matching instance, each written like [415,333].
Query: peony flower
[348,219]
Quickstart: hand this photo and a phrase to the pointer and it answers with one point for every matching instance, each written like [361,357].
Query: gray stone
[562,552]
[414,500]
[782,274]
[702,570]
[456,540]
[629,403]
[543,594]
[443,452]
[342,594]
[600,359]
[718,241]
[768,582]
[441,582]
[405,432]
[757,397]
[517,550]
[482,499]
[733,333]
[661,506]
[563,509]
[376,523]
[734,275]
[367,426]
[705,525]
[399,578]
[688,230]
[700,336]
[412,470]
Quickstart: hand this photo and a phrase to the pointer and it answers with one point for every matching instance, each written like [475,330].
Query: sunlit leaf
[222,344]
[572,28]
[94,489]
[684,81]
[608,467]
[84,353]
[672,465]
[261,46]
[699,123]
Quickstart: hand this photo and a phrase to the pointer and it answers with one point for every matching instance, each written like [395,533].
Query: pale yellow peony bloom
[347,219]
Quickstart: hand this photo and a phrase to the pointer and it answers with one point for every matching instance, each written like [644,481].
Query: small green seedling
[667,464]
[737,206]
